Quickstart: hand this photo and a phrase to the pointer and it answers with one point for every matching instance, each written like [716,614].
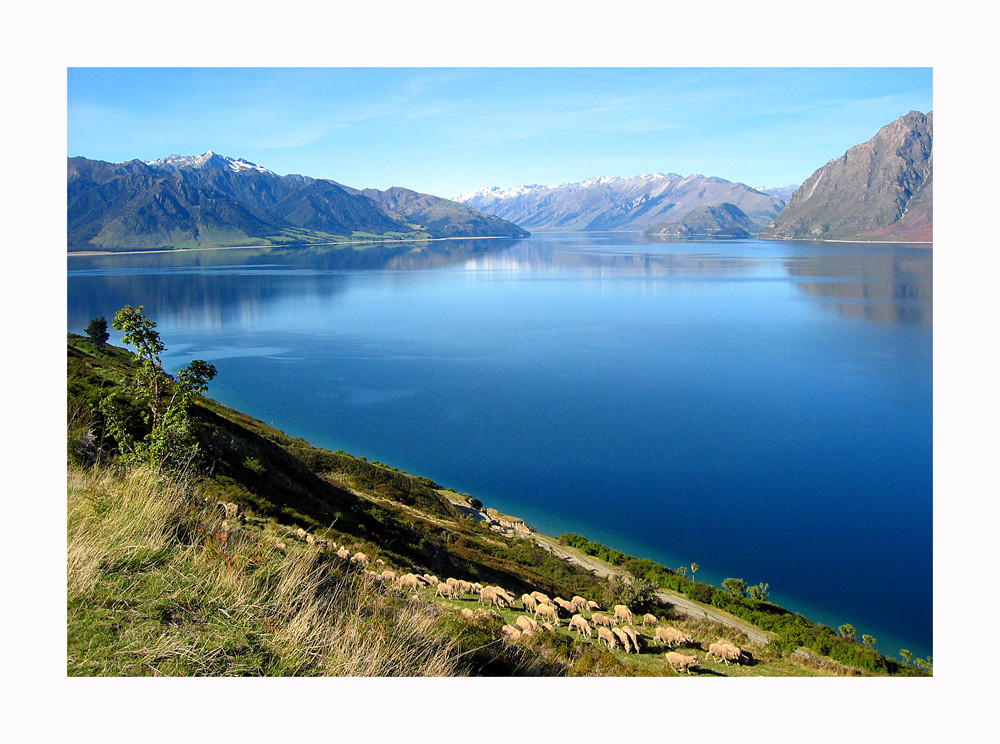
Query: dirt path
[674,601]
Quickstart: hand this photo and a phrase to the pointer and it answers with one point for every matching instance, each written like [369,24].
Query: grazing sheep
[464,587]
[431,579]
[672,637]
[526,623]
[726,652]
[444,590]
[623,613]
[388,575]
[529,602]
[409,580]
[490,594]
[345,554]
[633,636]
[477,588]
[360,558]
[649,619]
[599,618]
[580,625]
[686,663]
[548,611]
[300,534]
[511,632]
[580,602]
[592,605]
[623,638]
[487,595]
[548,626]
[603,634]
[566,605]
[467,614]
[508,597]
[451,581]
[541,597]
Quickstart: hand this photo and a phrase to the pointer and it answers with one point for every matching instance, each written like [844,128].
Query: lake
[763,409]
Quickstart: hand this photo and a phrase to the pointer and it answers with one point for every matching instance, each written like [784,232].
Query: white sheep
[541,597]
[511,632]
[726,652]
[623,638]
[603,634]
[633,636]
[580,625]
[580,603]
[672,637]
[592,605]
[529,602]
[566,605]
[526,623]
[686,663]
[388,575]
[623,613]
[548,611]
[445,590]
[649,619]
[409,580]
[599,618]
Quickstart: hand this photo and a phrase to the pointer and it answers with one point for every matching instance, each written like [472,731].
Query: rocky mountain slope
[211,200]
[879,190]
[620,203]
[723,221]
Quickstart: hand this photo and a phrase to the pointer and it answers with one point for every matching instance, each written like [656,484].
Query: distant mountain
[620,203]
[723,221]
[212,200]
[879,190]
[782,192]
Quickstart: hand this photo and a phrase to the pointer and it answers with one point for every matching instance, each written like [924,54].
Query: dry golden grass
[158,584]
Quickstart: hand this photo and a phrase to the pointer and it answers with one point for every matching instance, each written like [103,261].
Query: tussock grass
[158,584]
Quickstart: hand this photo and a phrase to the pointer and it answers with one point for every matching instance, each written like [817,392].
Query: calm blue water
[760,408]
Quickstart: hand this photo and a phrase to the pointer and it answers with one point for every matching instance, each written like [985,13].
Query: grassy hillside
[246,562]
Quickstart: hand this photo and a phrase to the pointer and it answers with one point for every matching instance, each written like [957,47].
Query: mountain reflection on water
[884,287]
[875,283]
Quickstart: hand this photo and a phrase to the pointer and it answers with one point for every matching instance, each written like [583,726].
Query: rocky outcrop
[880,190]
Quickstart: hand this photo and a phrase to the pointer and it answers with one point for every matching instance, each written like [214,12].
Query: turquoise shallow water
[760,408]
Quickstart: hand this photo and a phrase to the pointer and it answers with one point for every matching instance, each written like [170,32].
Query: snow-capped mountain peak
[206,160]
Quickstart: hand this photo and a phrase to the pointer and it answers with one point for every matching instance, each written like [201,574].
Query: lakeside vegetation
[204,542]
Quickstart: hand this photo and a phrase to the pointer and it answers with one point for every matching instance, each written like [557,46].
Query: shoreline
[291,245]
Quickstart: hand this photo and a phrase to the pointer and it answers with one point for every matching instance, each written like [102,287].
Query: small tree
[759,592]
[847,630]
[906,654]
[682,571]
[868,640]
[98,330]
[167,439]
[737,587]
[694,570]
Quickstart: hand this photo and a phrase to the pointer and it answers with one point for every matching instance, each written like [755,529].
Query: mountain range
[619,203]
[879,190]
[213,200]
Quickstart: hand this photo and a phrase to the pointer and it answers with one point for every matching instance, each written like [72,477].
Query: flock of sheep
[552,611]
[547,614]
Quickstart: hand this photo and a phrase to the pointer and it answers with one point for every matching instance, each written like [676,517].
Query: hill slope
[723,221]
[879,190]
[210,200]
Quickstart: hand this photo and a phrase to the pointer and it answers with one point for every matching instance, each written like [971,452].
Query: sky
[449,130]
